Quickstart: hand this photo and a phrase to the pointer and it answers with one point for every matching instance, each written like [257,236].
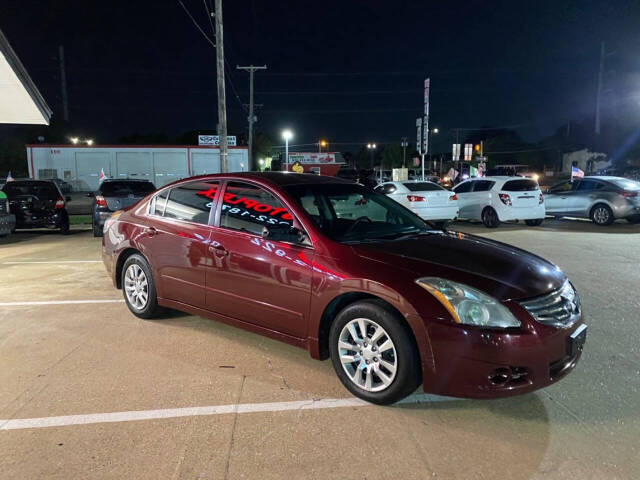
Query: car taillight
[100,201]
[59,203]
[540,199]
[453,197]
[416,198]
[506,199]
[628,194]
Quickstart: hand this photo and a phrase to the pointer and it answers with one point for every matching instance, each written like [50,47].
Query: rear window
[626,184]
[38,189]
[126,188]
[520,186]
[422,186]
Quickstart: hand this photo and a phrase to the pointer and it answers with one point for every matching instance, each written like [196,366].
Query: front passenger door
[558,198]
[256,280]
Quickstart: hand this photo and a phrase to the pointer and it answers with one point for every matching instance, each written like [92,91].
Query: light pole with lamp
[322,144]
[287,135]
[371,147]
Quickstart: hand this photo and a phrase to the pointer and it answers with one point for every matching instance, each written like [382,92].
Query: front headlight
[468,305]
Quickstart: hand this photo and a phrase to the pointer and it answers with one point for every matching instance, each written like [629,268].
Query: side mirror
[283,233]
[67,198]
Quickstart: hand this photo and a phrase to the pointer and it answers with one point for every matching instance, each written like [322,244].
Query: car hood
[501,270]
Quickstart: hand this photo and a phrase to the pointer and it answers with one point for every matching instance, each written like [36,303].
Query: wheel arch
[122,258]
[412,321]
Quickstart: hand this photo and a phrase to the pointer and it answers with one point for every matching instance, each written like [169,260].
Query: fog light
[500,376]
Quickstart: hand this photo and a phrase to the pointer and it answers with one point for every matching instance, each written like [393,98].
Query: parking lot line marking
[57,302]
[55,263]
[137,415]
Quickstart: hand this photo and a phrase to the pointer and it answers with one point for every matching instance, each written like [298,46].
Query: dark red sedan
[351,275]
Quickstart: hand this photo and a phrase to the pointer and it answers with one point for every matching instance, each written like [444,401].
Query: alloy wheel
[367,355]
[601,215]
[136,287]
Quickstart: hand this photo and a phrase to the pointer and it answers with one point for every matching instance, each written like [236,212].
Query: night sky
[348,71]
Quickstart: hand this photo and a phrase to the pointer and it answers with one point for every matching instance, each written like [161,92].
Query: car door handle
[151,231]
[218,250]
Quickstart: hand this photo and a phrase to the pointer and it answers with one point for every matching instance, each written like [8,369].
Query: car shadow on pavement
[565,225]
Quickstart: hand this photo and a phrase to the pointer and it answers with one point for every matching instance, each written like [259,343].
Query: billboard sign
[455,152]
[419,137]
[215,140]
[312,157]
[468,152]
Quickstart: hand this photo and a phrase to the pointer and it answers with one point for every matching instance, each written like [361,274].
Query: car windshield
[350,213]
[123,187]
[626,184]
[520,186]
[39,189]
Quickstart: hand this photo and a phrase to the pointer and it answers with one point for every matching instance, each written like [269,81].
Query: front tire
[97,231]
[138,287]
[374,353]
[534,223]
[602,215]
[490,218]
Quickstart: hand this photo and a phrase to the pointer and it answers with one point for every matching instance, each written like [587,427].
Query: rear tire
[534,223]
[64,227]
[97,231]
[490,218]
[138,287]
[602,215]
[398,364]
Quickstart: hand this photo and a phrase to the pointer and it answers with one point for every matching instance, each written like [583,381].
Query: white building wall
[81,166]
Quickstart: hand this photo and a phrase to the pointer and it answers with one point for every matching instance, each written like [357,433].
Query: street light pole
[287,135]
[371,147]
[404,144]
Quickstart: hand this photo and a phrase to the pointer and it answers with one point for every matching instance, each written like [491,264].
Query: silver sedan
[602,199]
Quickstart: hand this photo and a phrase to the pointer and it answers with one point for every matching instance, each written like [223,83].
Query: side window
[482,185]
[587,185]
[158,203]
[561,187]
[191,202]
[463,187]
[249,208]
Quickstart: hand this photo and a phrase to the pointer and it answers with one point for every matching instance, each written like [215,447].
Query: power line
[196,24]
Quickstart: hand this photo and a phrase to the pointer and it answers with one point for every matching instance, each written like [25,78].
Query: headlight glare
[468,305]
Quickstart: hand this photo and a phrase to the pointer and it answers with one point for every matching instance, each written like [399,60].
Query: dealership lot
[89,390]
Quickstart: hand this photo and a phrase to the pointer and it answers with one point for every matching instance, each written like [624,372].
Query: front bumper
[7,223]
[472,362]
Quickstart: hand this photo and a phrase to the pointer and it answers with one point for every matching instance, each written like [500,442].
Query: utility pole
[222,105]
[599,96]
[404,144]
[63,84]
[252,118]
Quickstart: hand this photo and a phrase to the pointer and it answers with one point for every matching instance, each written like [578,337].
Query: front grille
[560,308]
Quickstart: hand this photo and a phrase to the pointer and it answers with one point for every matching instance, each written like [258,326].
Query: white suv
[501,199]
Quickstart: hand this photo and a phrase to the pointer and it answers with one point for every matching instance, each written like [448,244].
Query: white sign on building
[215,140]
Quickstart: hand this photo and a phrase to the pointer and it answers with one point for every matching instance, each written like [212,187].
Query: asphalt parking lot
[87,390]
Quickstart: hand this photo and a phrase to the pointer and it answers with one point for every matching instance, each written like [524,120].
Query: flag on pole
[576,172]
[102,176]
[473,171]
[9,177]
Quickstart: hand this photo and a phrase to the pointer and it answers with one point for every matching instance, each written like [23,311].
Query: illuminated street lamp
[89,141]
[322,144]
[74,140]
[371,147]
[287,135]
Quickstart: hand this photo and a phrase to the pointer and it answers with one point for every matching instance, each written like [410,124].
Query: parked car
[602,199]
[37,204]
[113,195]
[393,302]
[347,173]
[64,187]
[7,219]
[501,199]
[426,199]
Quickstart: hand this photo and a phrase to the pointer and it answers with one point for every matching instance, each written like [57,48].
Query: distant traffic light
[477,148]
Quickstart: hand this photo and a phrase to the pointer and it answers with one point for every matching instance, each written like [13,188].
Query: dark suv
[113,195]
[37,204]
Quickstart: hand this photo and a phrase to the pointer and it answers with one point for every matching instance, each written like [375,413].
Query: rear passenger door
[176,240]
[480,197]
[585,195]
